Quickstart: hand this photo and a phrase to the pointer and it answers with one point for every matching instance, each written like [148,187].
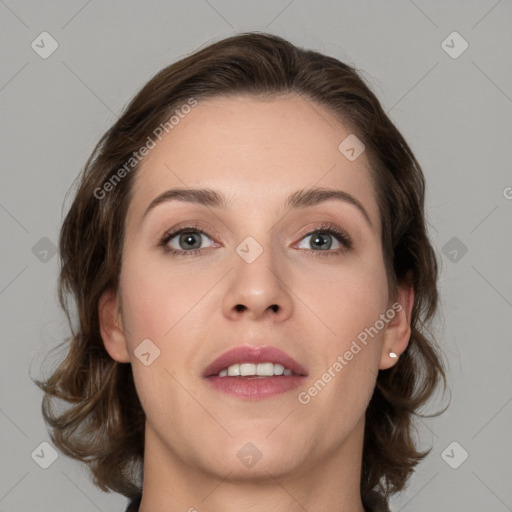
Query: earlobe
[111,327]
[398,330]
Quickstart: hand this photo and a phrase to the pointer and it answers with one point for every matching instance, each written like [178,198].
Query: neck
[330,483]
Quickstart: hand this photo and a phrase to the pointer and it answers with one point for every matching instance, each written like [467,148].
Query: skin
[257,152]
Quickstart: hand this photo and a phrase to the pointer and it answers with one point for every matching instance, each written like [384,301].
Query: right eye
[184,241]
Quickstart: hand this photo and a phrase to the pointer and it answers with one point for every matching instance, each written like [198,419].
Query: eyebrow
[297,200]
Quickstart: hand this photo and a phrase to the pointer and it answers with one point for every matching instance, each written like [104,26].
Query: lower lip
[255,388]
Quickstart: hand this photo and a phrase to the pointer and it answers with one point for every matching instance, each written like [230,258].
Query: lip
[254,387]
[252,354]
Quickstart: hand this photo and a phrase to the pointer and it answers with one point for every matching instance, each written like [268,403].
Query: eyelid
[322,227]
[198,226]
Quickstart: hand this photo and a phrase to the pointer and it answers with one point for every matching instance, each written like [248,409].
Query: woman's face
[266,272]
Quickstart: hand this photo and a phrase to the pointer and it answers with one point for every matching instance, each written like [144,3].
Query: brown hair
[103,423]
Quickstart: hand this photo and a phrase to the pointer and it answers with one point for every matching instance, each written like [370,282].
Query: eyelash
[341,235]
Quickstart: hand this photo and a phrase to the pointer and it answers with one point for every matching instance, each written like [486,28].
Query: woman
[253,278]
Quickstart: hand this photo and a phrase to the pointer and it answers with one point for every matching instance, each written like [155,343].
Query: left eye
[321,240]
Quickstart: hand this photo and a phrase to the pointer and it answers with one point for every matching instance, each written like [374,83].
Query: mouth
[253,373]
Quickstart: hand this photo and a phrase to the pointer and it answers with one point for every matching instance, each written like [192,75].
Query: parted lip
[254,354]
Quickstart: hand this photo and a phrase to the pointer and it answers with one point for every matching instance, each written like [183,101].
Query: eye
[187,240]
[322,239]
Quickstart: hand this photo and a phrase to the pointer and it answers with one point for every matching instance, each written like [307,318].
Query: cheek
[155,298]
[349,305]
[345,301]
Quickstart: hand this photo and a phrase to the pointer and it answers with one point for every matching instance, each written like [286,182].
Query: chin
[253,457]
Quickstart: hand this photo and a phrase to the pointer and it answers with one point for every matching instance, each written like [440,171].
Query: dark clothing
[372,503]
[375,502]
[134,504]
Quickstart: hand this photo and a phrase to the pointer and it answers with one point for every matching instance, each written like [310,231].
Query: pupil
[321,243]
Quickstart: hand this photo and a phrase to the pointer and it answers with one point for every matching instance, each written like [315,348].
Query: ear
[111,327]
[398,329]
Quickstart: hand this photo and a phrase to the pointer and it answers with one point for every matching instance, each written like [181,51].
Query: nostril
[241,307]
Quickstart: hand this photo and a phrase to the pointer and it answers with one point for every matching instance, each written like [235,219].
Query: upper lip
[252,354]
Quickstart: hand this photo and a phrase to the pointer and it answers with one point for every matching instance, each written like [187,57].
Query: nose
[258,289]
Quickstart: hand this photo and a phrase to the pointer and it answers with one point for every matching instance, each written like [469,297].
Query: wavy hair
[102,422]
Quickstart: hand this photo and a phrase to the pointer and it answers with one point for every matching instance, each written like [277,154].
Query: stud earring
[392,355]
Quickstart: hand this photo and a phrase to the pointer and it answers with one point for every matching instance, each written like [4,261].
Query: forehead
[256,151]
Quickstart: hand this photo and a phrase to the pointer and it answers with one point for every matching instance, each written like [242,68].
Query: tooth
[265,369]
[278,369]
[234,370]
[247,369]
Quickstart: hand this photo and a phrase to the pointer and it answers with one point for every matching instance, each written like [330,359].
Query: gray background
[456,114]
